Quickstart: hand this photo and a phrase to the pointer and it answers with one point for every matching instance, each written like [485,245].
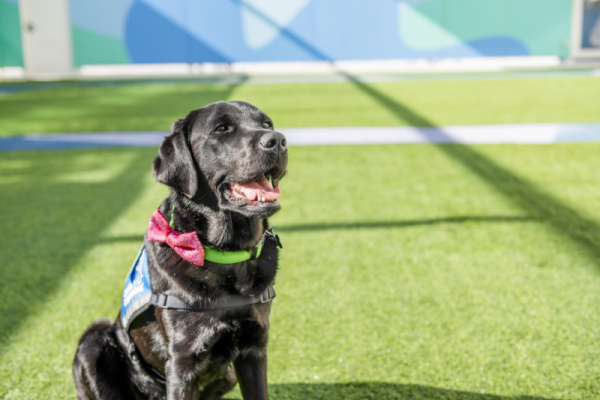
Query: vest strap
[229,301]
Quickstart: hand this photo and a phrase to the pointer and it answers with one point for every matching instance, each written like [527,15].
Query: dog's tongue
[261,190]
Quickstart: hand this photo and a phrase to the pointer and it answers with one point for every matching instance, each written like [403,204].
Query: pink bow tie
[187,245]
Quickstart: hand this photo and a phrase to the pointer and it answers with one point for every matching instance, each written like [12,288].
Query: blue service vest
[138,296]
[137,292]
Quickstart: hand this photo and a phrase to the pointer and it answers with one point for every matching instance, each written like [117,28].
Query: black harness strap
[230,301]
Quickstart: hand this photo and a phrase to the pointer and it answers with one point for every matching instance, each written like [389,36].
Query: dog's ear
[174,165]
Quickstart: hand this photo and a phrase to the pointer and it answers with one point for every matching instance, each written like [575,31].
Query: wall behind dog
[224,31]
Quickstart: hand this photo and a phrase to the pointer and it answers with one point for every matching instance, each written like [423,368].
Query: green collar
[231,257]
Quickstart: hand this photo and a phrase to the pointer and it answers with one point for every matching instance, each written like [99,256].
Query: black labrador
[223,164]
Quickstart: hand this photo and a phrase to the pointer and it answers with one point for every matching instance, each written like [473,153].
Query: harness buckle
[267,295]
[271,232]
[159,300]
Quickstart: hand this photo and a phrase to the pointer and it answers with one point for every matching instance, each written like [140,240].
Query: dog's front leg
[251,371]
[179,380]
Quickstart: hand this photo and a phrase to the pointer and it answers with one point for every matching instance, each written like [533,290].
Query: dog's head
[225,155]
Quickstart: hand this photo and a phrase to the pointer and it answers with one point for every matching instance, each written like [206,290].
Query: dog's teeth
[237,185]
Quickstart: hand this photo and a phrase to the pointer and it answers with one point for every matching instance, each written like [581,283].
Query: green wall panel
[92,48]
[11,53]
[542,25]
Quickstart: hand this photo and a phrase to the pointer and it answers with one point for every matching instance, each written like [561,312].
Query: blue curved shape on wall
[151,38]
[366,33]
[210,31]
[499,47]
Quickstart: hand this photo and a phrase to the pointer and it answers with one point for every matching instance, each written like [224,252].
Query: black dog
[202,328]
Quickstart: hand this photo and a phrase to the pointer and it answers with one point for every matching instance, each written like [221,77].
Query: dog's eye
[221,128]
[267,124]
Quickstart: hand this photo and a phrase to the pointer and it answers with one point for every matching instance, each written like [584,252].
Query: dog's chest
[219,338]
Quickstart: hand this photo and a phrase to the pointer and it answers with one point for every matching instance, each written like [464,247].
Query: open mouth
[262,190]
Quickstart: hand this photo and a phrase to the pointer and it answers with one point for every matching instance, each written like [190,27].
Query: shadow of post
[534,201]
[344,226]
[538,204]
[565,220]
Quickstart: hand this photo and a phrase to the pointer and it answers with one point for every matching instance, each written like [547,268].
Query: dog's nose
[272,141]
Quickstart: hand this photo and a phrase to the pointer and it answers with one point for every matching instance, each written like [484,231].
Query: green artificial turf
[138,107]
[408,271]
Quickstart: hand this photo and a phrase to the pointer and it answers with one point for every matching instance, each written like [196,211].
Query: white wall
[46,33]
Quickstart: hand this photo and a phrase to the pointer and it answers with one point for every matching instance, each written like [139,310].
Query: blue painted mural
[198,31]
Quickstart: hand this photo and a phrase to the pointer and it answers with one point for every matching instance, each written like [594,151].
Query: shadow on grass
[360,225]
[537,203]
[30,86]
[81,109]
[399,224]
[377,391]
[54,222]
